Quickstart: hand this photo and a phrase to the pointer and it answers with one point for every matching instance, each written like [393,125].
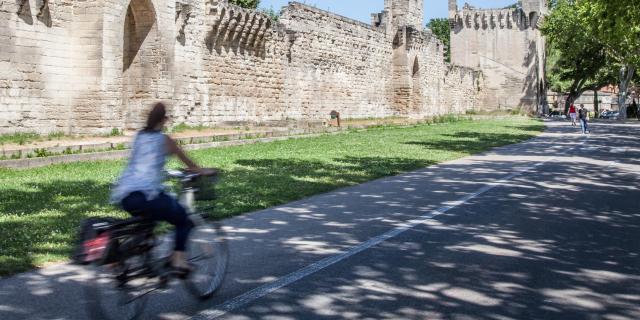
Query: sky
[362,9]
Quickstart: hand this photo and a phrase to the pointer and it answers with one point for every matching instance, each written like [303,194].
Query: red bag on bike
[93,238]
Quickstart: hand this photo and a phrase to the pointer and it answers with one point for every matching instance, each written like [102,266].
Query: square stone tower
[507,46]
[405,13]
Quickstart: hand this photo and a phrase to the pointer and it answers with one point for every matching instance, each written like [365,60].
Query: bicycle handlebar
[182,175]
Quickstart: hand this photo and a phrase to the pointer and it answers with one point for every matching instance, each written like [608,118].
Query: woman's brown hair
[157,114]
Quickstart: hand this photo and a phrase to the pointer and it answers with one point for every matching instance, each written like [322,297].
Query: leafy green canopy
[249,4]
[616,25]
[580,57]
[440,27]
[576,60]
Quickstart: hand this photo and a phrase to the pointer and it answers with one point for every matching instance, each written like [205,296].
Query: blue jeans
[583,125]
[162,208]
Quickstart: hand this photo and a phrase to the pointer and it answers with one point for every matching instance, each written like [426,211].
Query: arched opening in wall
[416,94]
[141,59]
[533,19]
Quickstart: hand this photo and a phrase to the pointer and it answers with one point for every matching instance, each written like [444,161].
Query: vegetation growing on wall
[249,4]
[271,13]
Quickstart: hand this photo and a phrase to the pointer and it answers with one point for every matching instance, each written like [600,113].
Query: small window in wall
[416,68]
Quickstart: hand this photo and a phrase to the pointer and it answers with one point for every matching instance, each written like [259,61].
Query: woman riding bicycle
[140,189]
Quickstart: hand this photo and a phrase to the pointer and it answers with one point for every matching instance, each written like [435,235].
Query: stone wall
[90,66]
[507,46]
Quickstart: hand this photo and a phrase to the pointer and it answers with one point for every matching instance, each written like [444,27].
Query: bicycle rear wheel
[209,254]
[110,298]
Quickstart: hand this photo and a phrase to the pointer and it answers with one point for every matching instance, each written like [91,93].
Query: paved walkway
[546,229]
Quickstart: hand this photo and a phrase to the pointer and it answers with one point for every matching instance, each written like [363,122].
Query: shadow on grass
[472,142]
[44,221]
[41,219]
[542,245]
[264,183]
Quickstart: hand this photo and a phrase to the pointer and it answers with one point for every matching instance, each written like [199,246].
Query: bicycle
[128,261]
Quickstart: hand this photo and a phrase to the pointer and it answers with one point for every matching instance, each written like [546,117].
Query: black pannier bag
[92,240]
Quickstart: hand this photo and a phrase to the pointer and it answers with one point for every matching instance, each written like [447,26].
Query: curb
[236,140]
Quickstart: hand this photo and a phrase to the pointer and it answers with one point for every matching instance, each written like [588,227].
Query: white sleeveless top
[144,171]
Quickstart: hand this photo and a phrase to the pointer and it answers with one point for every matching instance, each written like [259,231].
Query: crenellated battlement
[106,61]
[233,26]
[506,44]
[484,19]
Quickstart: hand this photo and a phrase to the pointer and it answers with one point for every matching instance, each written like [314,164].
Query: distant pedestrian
[583,114]
[572,114]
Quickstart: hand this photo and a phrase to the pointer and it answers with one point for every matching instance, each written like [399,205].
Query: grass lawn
[40,209]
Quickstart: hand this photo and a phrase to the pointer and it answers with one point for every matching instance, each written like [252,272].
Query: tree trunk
[572,96]
[596,106]
[626,74]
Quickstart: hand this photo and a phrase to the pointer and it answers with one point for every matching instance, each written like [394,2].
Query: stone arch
[533,19]
[416,68]
[141,61]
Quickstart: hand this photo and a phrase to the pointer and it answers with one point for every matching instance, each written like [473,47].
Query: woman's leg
[166,208]
[135,203]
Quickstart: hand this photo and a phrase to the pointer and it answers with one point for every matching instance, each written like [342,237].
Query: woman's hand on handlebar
[203,171]
[207,171]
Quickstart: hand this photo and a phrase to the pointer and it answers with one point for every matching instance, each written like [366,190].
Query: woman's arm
[173,148]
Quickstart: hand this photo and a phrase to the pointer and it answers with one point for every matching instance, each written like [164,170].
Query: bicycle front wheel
[208,254]
[111,298]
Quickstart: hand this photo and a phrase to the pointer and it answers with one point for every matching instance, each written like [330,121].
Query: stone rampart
[89,66]
[507,46]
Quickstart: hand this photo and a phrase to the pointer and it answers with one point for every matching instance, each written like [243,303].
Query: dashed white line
[266,289]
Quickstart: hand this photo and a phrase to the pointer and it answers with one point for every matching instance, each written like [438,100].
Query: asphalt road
[546,229]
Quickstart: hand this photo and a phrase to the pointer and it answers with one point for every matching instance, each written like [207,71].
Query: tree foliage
[576,62]
[440,27]
[271,13]
[616,25]
[592,42]
[249,4]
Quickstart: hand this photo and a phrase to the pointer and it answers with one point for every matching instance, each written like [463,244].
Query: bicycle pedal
[163,282]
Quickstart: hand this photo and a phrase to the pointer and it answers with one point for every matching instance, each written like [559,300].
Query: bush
[116,132]
[248,4]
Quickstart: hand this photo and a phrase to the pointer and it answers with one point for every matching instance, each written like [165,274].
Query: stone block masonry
[506,44]
[86,67]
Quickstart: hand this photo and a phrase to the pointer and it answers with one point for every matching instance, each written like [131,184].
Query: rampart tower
[506,44]
[405,12]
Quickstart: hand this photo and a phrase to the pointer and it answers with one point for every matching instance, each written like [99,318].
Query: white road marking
[268,288]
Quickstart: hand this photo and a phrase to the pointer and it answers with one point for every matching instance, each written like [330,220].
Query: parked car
[613,115]
[555,114]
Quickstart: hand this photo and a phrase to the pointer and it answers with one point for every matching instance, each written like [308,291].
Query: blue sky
[362,9]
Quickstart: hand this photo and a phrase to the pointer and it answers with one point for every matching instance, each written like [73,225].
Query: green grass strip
[40,209]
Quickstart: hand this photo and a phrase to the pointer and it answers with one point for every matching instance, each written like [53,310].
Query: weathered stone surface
[83,67]
[507,46]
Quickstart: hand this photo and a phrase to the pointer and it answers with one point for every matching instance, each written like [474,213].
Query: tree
[248,4]
[576,62]
[271,13]
[616,25]
[441,29]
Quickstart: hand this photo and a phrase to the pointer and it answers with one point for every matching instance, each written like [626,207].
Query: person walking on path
[572,114]
[583,114]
